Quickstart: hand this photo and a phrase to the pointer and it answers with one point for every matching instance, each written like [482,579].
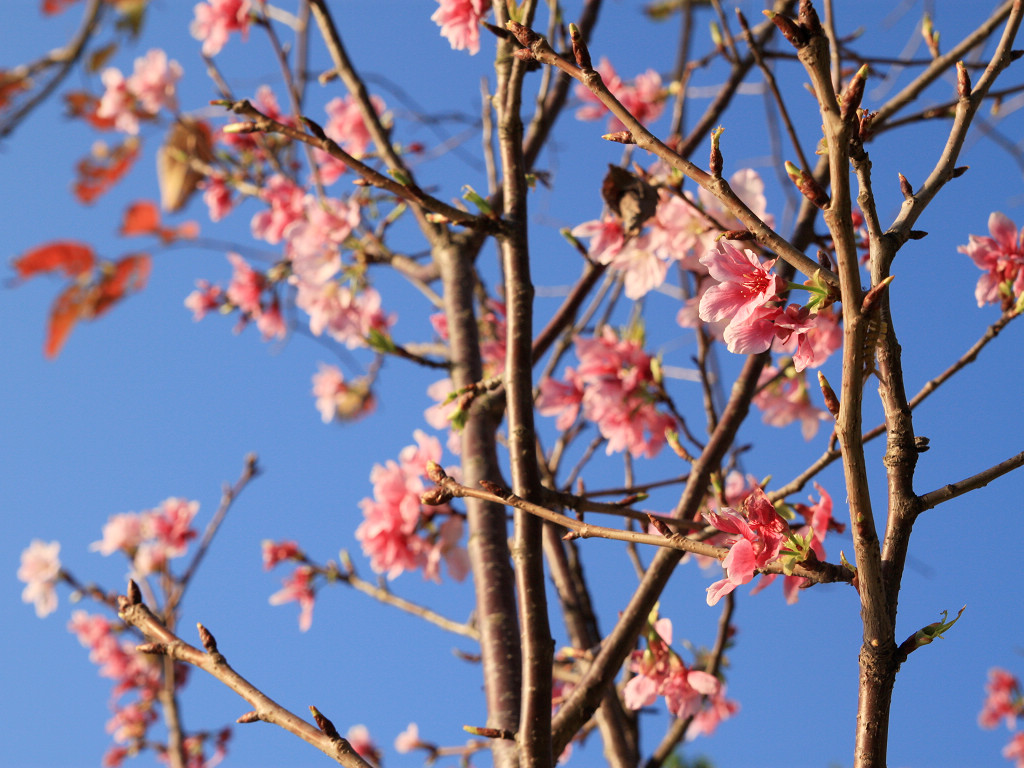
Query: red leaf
[70,257]
[129,274]
[96,176]
[141,218]
[51,7]
[67,310]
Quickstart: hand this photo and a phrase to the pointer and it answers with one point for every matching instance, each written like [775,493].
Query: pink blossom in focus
[745,284]
[460,22]
[408,740]
[40,570]
[1000,257]
[760,534]
[214,21]
[298,588]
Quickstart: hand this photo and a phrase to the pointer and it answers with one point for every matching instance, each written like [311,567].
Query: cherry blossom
[298,589]
[644,97]
[217,196]
[619,394]
[345,124]
[40,570]
[206,298]
[1000,257]
[398,533]
[1003,700]
[275,552]
[346,316]
[339,399]
[287,203]
[1015,749]
[149,89]
[605,235]
[358,737]
[786,399]
[760,534]
[216,19]
[745,284]
[460,22]
[408,740]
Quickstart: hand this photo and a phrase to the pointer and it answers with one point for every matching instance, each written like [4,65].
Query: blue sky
[146,404]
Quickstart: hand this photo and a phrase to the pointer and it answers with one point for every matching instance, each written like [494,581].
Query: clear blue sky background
[146,404]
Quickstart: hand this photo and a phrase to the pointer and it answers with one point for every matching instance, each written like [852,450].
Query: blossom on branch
[150,88]
[1001,258]
[460,22]
[216,19]
[298,589]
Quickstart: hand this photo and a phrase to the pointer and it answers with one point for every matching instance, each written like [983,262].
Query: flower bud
[831,400]
[808,186]
[963,81]
[579,48]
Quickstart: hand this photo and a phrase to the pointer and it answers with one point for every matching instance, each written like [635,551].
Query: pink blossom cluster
[216,20]
[759,533]
[1001,258]
[149,89]
[398,532]
[659,671]
[818,522]
[346,125]
[644,97]
[460,22]
[616,388]
[784,398]
[132,672]
[150,538]
[249,291]
[40,570]
[681,229]
[298,588]
[747,295]
[339,399]
[1004,702]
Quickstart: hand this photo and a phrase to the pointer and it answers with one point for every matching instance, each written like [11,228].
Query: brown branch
[980,480]
[166,643]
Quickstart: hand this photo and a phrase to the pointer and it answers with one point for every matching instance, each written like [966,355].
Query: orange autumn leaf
[129,274]
[67,256]
[51,7]
[98,174]
[141,218]
[67,310]
[87,301]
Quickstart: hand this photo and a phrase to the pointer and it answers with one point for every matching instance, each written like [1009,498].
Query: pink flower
[216,19]
[408,740]
[346,126]
[338,399]
[246,287]
[749,187]
[620,394]
[786,400]
[154,81]
[1015,750]
[716,709]
[122,532]
[561,400]
[359,737]
[760,536]
[275,552]
[314,242]
[117,103]
[606,238]
[642,268]
[40,570]
[1003,700]
[745,285]
[345,316]
[271,323]
[206,298]
[170,525]
[644,97]
[298,588]
[460,22]
[287,206]
[446,547]
[217,196]
[810,338]
[1000,257]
